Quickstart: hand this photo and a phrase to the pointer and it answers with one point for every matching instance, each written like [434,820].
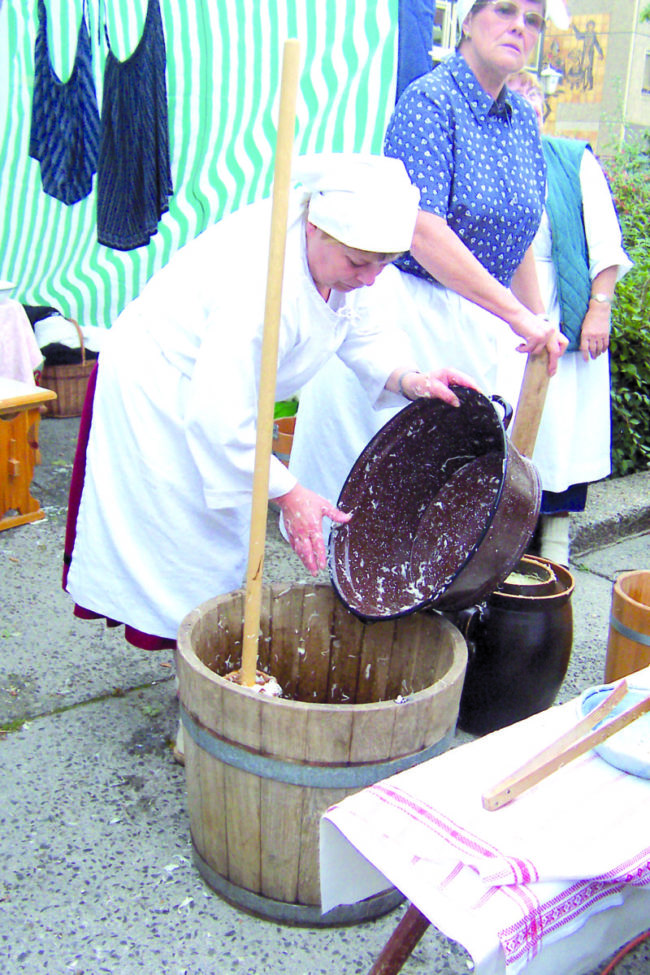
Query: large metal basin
[444,507]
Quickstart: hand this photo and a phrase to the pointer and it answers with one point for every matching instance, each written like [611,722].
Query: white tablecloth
[19,351]
[550,884]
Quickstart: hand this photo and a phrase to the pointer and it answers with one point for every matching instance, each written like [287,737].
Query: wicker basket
[69,382]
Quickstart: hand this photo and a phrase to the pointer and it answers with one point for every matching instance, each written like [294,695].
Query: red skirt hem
[144,641]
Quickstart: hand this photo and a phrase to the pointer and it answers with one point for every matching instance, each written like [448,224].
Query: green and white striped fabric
[223,69]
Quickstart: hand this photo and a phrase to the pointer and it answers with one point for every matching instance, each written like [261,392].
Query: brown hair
[483,3]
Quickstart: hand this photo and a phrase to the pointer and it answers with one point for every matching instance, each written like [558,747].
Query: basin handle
[506,407]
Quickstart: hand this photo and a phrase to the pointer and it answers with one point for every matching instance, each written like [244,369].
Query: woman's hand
[594,335]
[303,511]
[535,330]
[539,335]
[432,385]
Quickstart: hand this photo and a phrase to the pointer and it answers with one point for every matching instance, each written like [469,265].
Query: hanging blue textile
[64,135]
[134,179]
[414,42]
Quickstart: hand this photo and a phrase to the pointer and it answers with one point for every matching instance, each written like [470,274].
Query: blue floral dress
[478,163]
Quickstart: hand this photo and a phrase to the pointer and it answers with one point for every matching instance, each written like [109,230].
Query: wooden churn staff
[530,406]
[266,400]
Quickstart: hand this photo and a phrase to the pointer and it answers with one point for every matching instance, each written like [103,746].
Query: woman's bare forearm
[443,254]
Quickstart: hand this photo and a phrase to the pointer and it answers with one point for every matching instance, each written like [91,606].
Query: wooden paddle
[573,743]
[530,405]
[270,341]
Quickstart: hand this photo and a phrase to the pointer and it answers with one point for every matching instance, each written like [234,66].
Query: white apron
[164,516]
[573,442]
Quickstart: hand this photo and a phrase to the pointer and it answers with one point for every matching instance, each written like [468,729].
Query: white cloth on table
[573,441]
[164,517]
[523,877]
[19,351]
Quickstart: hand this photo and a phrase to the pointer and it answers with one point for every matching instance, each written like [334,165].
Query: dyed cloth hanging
[134,174]
[64,135]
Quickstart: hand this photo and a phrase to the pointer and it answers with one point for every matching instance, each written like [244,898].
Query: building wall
[601,63]
[223,69]
[638,103]
[600,58]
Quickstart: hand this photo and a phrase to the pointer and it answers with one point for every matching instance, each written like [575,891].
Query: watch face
[605,299]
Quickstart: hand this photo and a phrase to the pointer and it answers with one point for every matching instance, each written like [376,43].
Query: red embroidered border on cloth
[500,876]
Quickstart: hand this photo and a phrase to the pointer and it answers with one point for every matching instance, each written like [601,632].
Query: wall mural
[579,55]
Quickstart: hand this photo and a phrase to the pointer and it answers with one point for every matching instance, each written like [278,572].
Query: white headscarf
[365,201]
[463,7]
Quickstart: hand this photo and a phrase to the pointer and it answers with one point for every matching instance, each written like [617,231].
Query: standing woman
[469,288]
[579,257]
[474,152]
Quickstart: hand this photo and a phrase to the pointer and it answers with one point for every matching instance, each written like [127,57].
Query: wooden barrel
[361,702]
[628,647]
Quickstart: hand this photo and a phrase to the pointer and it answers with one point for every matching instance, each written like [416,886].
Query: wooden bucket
[283,431]
[628,647]
[362,702]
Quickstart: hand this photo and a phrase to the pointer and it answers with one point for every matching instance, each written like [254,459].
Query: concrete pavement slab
[97,873]
[616,509]
[590,604]
[48,658]
[625,556]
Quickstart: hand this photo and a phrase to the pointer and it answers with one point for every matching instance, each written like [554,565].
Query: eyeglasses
[507,10]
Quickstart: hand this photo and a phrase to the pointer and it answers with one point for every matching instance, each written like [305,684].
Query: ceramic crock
[519,646]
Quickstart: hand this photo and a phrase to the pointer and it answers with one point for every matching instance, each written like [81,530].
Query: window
[444,26]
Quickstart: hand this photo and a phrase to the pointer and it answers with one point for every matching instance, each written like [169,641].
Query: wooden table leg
[401,942]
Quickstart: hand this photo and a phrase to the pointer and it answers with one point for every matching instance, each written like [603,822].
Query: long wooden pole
[530,405]
[266,401]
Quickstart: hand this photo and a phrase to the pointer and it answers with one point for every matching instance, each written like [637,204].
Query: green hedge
[629,176]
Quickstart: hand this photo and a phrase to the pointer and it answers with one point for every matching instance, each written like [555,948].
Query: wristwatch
[603,299]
